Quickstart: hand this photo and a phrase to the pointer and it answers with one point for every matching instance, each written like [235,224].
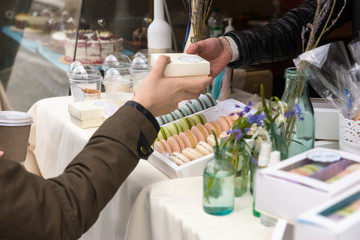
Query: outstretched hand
[215,50]
[161,95]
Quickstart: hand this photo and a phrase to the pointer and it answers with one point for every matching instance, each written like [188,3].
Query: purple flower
[247,109]
[237,133]
[250,103]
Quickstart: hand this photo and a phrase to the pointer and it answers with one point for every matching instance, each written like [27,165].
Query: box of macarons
[185,141]
[305,180]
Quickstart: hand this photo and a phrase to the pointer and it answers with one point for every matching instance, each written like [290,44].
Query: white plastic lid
[15,118]
[274,157]
[264,155]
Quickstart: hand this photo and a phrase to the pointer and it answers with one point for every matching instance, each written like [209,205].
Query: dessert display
[37,20]
[57,41]
[21,20]
[205,101]
[92,46]
[191,138]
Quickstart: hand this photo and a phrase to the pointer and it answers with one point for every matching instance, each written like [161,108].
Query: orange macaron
[189,138]
[213,126]
[162,146]
[223,123]
[199,135]
[176,143]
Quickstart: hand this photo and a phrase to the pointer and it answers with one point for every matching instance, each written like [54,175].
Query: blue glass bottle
[218,185]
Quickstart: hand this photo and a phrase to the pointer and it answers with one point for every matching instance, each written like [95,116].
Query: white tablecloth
[173,210]
[56,141]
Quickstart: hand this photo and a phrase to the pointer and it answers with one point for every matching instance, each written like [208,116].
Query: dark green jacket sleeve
[66,206]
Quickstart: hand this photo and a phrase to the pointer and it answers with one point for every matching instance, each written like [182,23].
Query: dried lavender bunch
[324,12]
[198,12]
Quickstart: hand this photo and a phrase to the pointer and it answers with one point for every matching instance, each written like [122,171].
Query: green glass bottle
[218,185]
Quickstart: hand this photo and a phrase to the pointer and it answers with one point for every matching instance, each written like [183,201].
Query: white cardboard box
[326,120]
[314,224]
[286,195]
[184,65]
[195,167]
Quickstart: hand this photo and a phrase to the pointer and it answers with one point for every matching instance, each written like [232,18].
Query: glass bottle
[238,154]
[299,132]
[218,185]
[215,24]
[159,31]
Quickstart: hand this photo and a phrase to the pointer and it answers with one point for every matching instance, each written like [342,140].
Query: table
[55,141]
[172,210]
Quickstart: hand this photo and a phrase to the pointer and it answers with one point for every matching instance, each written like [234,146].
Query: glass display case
[43,37]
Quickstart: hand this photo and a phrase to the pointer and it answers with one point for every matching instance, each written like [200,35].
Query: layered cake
[21,20]
[92,46]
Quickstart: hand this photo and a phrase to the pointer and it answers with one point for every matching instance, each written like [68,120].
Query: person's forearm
[281,39]
[66,206]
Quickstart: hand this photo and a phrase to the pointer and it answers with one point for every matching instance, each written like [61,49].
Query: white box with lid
[317,222]
[286,195]
[184,65]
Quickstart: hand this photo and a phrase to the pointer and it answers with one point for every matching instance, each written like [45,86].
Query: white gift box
[195,167]
[316,224]
[184,65]
[326,120]
[286,195]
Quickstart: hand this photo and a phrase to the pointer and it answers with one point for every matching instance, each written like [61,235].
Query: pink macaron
[189,138]
[176,143]
[162,146]
[199,135]
[223,123]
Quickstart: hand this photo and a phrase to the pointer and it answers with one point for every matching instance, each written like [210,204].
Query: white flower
[281,119]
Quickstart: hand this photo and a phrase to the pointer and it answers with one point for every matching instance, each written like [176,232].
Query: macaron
[163,133]
[183,124]
[190,121]
[189,139]
[211,140]
[191,107]
[198,133]
[160,121]
[229,120]
[198,118]
[203,130]
[176,144]
[198,105]
[169,118]
[223,134]
[191,153]
[203,100]
[224,125]
[185,109]
[173,128]
[213,126]
[179,114]
[162,146]
[179,158]
[212,98]
[204,148]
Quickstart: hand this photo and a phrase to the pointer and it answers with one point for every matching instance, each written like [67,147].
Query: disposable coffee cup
[14,134]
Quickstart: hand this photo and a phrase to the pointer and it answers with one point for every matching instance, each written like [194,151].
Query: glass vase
[299,130]
[218,185]
[238,154]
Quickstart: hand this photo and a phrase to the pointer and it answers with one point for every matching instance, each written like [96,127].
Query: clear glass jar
[299,132]
[238,154]
[218,185]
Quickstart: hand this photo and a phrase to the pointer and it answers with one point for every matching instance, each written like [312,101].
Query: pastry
[162,146]
[211,140]
[183,124]
[199,135]
[191,107]
[191,153]
[176,143]
[179,158]
[163,133]
[204,148]
[173,128]
[223,123]
[189,139]
[198,105]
